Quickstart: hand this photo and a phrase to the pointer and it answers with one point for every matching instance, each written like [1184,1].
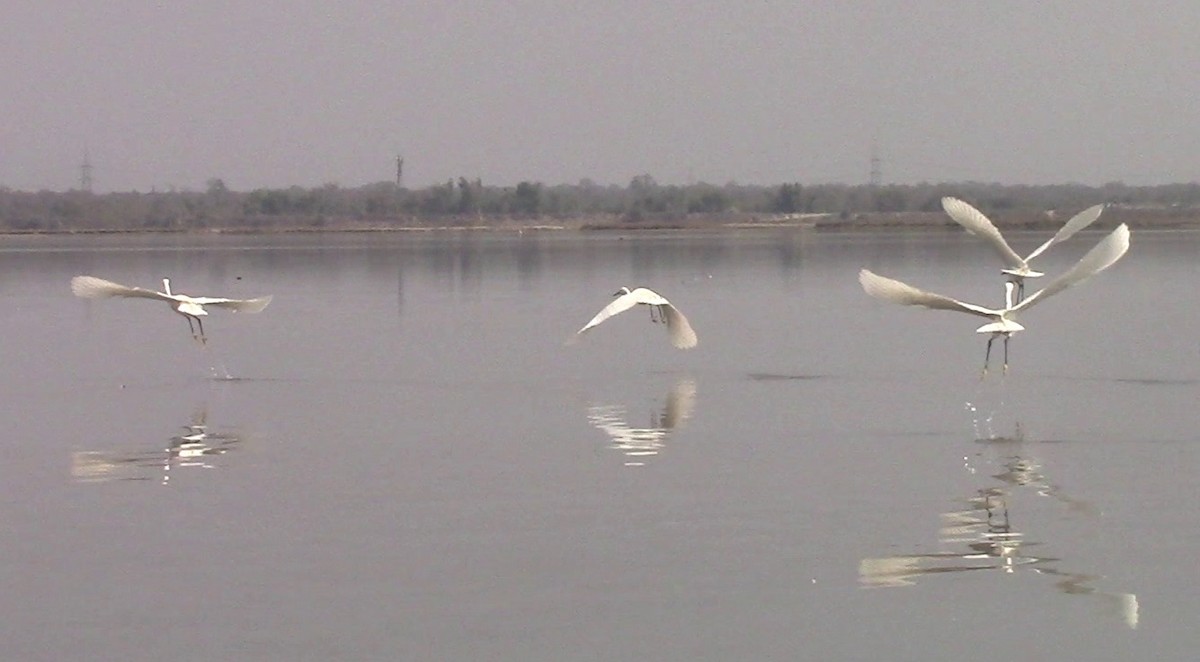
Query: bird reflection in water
[982,536]
[640,443]
[195,448]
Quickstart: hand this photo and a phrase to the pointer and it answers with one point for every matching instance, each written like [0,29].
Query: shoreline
[1178,219]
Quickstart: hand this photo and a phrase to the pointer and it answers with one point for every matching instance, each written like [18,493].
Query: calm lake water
[400,458]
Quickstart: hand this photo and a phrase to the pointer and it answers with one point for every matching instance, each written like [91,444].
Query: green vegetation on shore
[643,203]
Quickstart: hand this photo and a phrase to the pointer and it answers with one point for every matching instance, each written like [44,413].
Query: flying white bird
[661,310]
[192,308]
[1003,320]
[1017,268]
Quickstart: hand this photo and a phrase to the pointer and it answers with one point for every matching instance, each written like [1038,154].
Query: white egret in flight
[1003,320]
[1016,267]
[661,310]
[192,308]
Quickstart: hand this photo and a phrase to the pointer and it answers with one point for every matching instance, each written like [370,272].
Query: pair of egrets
[1003,322]
[192,308]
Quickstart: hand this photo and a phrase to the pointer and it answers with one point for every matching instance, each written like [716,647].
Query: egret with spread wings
[1016,267]
[661,310]
[192,308]
[1003,320]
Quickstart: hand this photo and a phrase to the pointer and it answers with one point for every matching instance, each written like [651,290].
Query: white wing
[1101,257]
[976,223]
[236,305]
[618,305]
[90,287]
[905,294]
[682,335]
[1078,222]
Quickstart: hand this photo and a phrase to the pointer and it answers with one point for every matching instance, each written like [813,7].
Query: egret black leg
[191,328]
[203,338]
[987,355]
[1006,354]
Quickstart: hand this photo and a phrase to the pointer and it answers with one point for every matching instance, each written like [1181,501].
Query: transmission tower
[399,171]
[876,177]
[85,172]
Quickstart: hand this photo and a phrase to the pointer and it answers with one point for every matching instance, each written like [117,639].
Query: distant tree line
[466,202]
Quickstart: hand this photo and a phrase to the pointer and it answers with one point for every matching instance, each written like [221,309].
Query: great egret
[1003,320]
[661,310]
[1017,267]
[192,308]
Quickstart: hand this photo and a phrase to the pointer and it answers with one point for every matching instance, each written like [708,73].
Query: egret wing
[236,305]
[1078,222]
[1101,257]
[682,335]
[907,295]
[90,287]
[976,223]
[617,306]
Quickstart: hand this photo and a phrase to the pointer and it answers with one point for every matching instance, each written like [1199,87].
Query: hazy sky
[271,93]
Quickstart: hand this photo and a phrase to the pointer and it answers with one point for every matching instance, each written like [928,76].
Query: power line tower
[399,171]
[876,177]
[85,172]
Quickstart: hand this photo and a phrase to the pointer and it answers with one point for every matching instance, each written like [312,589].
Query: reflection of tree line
[195,448]
[466,262]
[983,537]
[465,202]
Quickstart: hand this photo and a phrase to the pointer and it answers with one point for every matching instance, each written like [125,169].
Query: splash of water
[219,372]
[981,423]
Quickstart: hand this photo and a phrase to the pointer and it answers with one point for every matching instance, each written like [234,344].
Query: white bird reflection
[638,444]
[195,448]
[982,536]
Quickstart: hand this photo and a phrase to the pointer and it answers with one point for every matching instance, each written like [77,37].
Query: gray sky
[273,93]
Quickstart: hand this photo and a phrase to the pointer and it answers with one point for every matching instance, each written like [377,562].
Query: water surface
[400,458]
